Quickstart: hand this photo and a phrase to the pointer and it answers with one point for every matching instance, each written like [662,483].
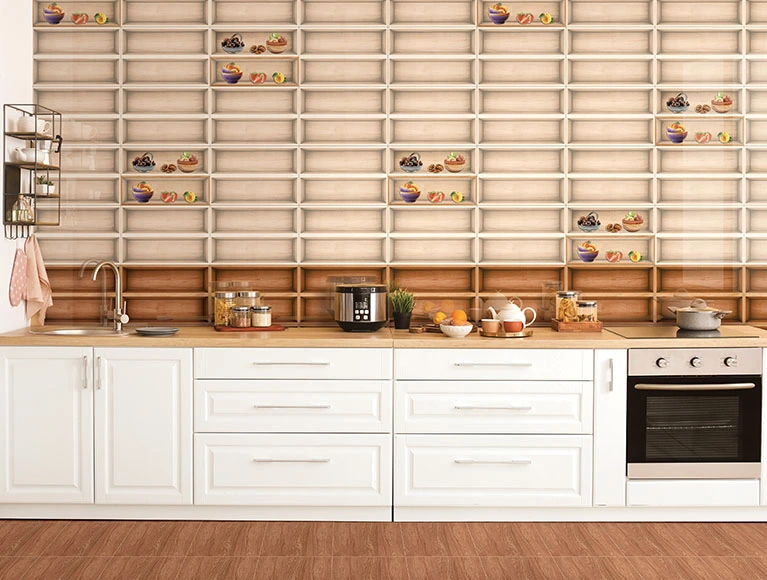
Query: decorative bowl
[232,49]
[409,196]
[453,166]
[677,109]
[231,78]
[53,17]
[496,18]
[587,256]
[143,168]
[142,196]
[632,227]
[410,168]
[186,166]
[721,107]
[456,331]
[676,137]
[588,228]
[276,47]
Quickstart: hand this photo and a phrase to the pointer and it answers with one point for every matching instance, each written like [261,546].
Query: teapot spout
[493,313]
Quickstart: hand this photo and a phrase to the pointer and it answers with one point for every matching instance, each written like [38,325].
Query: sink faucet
[118,316]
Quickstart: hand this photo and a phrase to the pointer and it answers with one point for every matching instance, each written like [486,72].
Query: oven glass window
[693,428]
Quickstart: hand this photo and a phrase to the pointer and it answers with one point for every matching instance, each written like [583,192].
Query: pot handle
[672,309]
[722,313]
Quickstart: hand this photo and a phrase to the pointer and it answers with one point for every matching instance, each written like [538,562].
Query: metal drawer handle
[513,461]
[498,364]
[99,375]
[292,364]
[693,387]
[85,372]
[310,460]
[493,408]
[291,406]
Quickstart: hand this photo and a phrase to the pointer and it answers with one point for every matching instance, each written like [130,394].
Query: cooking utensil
[698,316]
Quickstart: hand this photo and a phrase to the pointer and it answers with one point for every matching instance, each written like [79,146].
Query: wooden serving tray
[272,328]
[560,326]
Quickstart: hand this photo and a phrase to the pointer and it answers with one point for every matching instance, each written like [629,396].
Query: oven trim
[746,470]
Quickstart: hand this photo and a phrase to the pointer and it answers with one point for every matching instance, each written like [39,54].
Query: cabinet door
[143,425]
[46,413]
[610,373]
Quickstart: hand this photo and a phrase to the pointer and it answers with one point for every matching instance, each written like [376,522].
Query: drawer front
[494,364]
[292,406]
[494,407]
[492,470]
[293,470]
[293,363]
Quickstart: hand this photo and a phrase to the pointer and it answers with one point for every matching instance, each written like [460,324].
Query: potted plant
[402,303]
[44,186]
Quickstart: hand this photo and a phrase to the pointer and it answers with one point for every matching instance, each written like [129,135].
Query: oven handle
[694,387]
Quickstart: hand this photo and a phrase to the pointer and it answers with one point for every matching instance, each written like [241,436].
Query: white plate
[156,331]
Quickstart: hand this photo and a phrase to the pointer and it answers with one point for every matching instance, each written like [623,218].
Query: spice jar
[261,316]
[587,311]
[567,310]
[224,301]
[250,298]
[241,317]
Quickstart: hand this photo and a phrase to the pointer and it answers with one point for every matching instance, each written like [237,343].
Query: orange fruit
[459,317]
[439,317]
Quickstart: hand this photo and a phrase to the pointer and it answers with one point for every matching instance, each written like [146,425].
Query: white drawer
[292,406]
[292,470]
[492,470]
[692,492]
[494,407]
[494,364]
[293,363]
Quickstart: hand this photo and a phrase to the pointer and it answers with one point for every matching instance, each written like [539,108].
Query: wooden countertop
[385,338]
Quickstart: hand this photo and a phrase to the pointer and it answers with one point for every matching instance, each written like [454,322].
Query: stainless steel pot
[698,316]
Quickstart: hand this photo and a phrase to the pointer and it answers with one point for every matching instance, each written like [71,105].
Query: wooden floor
[77,550]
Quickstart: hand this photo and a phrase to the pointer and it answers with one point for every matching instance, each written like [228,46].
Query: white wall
[15,87]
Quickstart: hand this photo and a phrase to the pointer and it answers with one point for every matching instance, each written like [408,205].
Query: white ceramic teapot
[513,317]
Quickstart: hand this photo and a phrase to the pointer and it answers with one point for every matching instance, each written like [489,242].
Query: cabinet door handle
[611,375]
[85,372]
[494,364]
[493,407]
[309,460]
[98,373]
[512,461]
[292,364]
[291,406]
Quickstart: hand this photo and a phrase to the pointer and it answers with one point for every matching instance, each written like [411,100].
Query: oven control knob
[731,361]
[696,362]
[662,363]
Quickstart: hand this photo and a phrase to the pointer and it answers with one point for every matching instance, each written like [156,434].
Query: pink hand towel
[38,287]
[18,289]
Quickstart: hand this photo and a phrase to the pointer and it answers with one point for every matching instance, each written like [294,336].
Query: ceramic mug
[513,326]
[491,325]
[28,124]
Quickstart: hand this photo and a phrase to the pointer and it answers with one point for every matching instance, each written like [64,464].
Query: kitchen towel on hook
[38,287]
[18,288]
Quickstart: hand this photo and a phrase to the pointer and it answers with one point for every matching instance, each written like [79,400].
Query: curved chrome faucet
[118,316]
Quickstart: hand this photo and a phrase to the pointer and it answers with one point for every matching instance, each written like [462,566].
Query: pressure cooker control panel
[362,308]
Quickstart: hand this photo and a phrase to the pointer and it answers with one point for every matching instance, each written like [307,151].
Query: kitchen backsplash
[459,148]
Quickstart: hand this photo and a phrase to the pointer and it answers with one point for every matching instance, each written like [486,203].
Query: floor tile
[364,568]
[218,568]
[595,568]
[141,568]
[234,539]
[29,537]
[703,539]
[299,539]
[58,568]
[445,569]
[522,569]
[640,539]
[159,539]
[507,539]
[89,538]
[368,539]
[576,539]
[438,539]
[750,540]
[290,568]
[14,568]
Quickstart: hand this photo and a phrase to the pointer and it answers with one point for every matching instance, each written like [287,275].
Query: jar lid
[225,294]
[568,293]
[248,294]
[261,308]
[241,309]
[587,303]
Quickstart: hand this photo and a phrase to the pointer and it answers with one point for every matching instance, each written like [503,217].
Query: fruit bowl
[591,223]
[142,195]
[675,137]
[410,168]
[53,17]
[633,223]
[409,196]
[276,43]
[499,18]
[721,107]
[231,78]
[233,44]
[456,331]
[453,166]
[588,254]
[188,162]
[675,109]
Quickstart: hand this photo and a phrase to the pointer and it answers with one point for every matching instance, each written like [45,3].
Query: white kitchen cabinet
[46,412]
[143,425]
[610,374]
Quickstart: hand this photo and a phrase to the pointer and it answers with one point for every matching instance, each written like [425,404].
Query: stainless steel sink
[79,332]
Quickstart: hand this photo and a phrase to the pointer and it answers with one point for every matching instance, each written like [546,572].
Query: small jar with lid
[241,317]
[587,311]
[261,316]
[248,298]
[223,303]
[566,305]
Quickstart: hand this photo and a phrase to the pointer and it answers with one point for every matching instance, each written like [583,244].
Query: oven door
[694,427]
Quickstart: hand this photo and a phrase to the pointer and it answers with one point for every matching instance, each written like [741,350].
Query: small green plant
[43,180]
[401,300]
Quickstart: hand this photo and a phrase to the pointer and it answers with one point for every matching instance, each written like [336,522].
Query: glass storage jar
[223,303]
[248,298]
[261,316]
[566,305]
[241,317]
[587,311]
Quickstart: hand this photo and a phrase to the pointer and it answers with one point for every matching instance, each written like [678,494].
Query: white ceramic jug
[513,317]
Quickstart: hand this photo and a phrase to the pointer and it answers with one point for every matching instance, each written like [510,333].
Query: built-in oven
[694,413]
